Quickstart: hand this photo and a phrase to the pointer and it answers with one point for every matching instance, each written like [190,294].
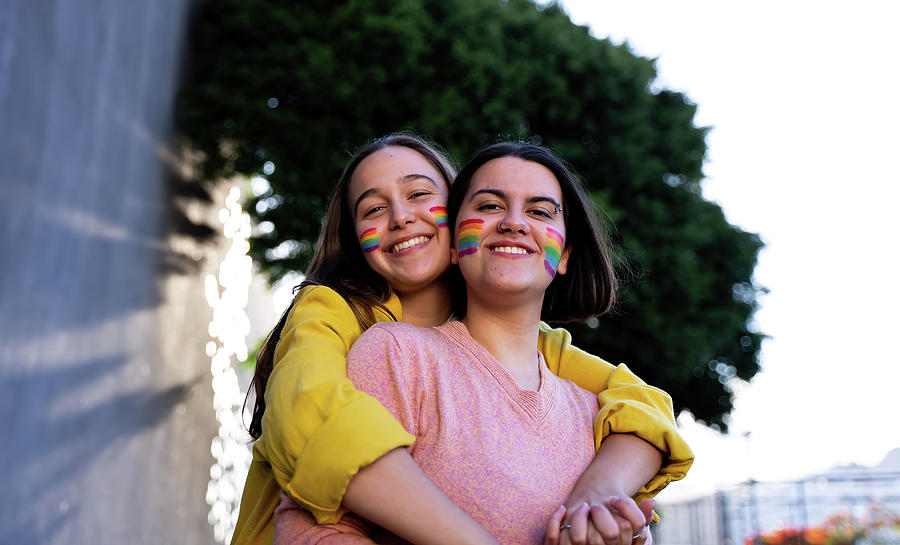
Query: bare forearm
[622,465]
[394,493]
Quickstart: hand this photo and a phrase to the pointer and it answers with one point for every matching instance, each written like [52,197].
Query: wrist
[595,492]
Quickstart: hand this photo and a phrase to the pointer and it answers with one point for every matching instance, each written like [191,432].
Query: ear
[454,258]
[564,261]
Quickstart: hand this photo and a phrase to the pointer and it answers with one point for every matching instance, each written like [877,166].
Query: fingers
[644,538]
[630,512]
[607,525]
[551,536]
[601,525]
[577,534]
[626,531]
[646,508]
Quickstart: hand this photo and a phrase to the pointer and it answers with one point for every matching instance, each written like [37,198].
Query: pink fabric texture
[506,456]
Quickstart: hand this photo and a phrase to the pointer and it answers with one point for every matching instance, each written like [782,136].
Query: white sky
[804,98]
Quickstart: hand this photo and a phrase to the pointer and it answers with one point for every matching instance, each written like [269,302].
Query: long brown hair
[338,262]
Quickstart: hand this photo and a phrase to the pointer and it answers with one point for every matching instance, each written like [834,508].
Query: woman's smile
[509,249]
[409,244]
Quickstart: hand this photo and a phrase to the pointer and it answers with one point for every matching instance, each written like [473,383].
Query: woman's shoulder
[321,304]
[413,342]
[327,299]
[403,332]
[312,293]
[573,394]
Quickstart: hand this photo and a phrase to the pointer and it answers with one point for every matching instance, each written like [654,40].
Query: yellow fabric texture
[318,430]
[627,405]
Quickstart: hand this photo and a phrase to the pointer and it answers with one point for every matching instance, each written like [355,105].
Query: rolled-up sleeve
[318,429]
[627,405]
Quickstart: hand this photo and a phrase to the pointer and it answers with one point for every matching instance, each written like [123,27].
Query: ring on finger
[639,534]
[564,527]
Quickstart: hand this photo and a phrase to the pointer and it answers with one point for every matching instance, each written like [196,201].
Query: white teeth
[409,244]
[511,250]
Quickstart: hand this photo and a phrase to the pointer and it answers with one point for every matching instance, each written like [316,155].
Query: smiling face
[511,230]
[398,201]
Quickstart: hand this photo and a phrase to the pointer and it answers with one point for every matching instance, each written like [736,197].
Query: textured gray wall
[104,387]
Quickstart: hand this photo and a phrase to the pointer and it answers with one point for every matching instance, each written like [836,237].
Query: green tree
[301,84]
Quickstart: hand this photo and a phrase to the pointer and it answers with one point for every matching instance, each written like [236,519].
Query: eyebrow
[404,180]
[496,192]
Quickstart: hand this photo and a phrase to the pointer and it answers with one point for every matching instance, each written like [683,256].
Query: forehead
[514,176]
[390,166]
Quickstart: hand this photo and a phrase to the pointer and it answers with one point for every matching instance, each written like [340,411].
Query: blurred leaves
[303,84]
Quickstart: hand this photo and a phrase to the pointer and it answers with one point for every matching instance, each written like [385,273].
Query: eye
[541,213]
[488,207]
[371,211]
[417,194]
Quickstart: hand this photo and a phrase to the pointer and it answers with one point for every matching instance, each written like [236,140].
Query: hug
[414,383]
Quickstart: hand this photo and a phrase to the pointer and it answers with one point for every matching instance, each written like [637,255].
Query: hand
[617,524]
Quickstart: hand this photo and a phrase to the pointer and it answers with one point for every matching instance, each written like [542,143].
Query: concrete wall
[104,385]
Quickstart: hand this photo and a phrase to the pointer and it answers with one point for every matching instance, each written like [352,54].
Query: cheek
[552,250]
[440,215]
[369,240]
[469,237]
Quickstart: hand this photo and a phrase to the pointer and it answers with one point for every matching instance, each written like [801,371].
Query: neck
[428,307]
[510,334]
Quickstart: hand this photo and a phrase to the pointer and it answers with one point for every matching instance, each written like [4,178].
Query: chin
[412,284]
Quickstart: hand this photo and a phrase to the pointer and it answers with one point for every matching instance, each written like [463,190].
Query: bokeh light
[227,297]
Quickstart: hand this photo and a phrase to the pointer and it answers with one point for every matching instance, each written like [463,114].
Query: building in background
[746,511]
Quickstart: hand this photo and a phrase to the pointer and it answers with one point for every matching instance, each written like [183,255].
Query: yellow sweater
[319,430]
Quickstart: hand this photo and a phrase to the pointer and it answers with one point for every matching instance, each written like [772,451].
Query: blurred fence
[729,517]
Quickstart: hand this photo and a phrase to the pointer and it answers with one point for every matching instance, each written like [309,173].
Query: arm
[318,429]
[394,491]
[627,406]
[622,465]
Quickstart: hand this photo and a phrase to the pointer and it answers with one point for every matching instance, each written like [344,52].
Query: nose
[401,215]
[514,221]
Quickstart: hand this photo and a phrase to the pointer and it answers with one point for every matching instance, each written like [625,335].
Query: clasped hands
[618,521]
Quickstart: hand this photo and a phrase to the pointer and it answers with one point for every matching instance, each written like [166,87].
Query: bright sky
[804,101]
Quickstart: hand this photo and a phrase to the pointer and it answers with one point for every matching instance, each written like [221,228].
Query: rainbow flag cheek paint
[440,215]
[552,251]
[469,233]
[369,240]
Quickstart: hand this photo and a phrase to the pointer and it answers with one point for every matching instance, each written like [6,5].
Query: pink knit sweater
[507,456]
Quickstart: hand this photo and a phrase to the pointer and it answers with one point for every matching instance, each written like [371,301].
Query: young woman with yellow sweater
[383,255]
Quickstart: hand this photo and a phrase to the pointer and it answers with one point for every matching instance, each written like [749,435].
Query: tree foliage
[301,84]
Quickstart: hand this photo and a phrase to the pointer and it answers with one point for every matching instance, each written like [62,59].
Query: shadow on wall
[78,263]
[99,354]
[73,433]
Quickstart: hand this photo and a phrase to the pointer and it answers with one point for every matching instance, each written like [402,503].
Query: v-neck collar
[535,403]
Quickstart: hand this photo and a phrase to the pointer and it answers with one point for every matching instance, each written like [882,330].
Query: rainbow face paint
[552,251]
[469,233]
[440,215]
[369,240]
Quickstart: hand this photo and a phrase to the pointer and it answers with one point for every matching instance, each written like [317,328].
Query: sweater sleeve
[318,429]
[627,405]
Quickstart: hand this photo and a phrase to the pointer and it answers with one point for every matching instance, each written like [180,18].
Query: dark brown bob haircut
[338,262]
[589,286]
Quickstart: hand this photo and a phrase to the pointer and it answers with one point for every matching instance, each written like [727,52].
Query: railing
[730,517]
